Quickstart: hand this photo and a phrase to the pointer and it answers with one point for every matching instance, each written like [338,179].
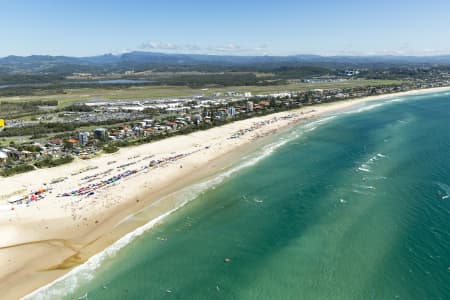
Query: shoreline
[62,233]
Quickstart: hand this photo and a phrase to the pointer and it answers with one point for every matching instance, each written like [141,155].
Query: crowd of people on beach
[258,125]
[84,170]
[91,183]
[95,176]
[90,189]
[33,196]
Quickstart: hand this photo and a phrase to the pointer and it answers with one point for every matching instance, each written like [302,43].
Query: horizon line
[362,55]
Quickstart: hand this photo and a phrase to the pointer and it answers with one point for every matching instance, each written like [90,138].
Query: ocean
[354,205]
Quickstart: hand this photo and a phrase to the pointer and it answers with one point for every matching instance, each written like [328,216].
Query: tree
[67,145]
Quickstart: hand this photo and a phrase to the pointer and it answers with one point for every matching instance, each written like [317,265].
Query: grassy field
[305,86]
[18,140]
[89,94]
[139,92]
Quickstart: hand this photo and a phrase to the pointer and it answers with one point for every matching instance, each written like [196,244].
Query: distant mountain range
[139,60]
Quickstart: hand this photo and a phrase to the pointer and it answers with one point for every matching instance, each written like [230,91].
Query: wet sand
[42,241]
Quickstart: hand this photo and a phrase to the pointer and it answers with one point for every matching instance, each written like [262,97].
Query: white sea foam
[366,187]
[84,273]
[366,106]
[399,99]
[312,125]
[444,191]
[361,192]
[370,107]
[367,166]
[376,178]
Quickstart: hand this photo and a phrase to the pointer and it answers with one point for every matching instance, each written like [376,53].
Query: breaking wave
[367,166]
[84,273]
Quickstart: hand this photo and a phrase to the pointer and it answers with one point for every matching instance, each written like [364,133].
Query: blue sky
[283,27]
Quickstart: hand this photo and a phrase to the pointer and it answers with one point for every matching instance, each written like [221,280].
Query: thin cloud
[160,46]
[230,48]
[386,52]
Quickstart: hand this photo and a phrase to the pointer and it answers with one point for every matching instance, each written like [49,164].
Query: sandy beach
[85,206]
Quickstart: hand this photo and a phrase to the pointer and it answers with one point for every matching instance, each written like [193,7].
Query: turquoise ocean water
[350,206]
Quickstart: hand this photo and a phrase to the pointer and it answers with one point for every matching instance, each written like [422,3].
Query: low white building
[3,157]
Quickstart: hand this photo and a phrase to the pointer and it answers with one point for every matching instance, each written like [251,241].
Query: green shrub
[49,162]
[16,170]
[110,148]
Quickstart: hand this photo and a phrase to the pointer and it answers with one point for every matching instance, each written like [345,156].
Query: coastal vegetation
[110,148]
[22,168]
[43,128]
[46,162]
[63,136]
[85,94]
[49,162]
[79,109]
